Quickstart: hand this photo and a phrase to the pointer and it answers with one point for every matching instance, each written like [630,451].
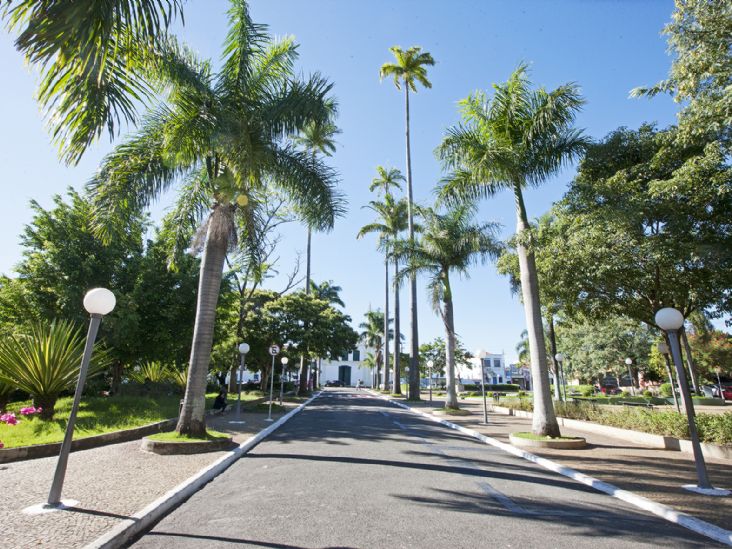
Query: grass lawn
[98,415]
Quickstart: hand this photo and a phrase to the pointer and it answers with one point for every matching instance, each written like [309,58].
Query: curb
[148,516]
[663,511]
[9,455]
[665,442]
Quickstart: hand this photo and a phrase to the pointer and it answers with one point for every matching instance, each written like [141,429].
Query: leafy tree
[700,39]
[713,350]
[45,361]
[449,243]
[225,135]
[597,348]
[436,351]
[632,234]
[391,221]
[518,138]
[410,68]
[95,61]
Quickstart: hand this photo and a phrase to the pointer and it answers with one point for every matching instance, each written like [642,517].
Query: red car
[727,392]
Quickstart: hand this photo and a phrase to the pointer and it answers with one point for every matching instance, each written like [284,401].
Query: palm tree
[518,138]
[317,138]
[522,348]
[410,68]
[449,242]
[372,335]
[327,291]
[95,61]
[386,179]
[391,222]
[225,136]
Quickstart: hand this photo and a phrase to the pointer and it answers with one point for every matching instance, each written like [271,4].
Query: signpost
[274,350]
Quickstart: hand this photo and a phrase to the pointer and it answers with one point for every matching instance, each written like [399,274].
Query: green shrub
[707,401]
[665,390]
[45,362]
[503,387]
[647,393]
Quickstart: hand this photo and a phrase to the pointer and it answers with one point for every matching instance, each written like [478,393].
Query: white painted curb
[664,511]
[143,519]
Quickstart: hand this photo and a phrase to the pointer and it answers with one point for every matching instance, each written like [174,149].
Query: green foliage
[410,67]
[435,351]
[644,229]
[153,372]
[665,390]
[45,361]
[96,61]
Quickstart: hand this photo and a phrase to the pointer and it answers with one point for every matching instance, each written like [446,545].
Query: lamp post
[481,354]
[559,357]
[406,374]
[97,302]
[628,362]
[430,363]
[243,350]
[718,370]
[670,320]
[284,362]
[663,349]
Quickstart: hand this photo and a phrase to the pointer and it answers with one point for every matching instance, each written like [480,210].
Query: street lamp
[97,302]
[663,349]
[670,320]
[628,362]
[243,350]
[274,350]
[284,362]
[559,357]
[481,354]
[406,390]
[430,363]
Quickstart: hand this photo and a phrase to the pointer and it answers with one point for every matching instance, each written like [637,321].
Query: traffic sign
[274,350]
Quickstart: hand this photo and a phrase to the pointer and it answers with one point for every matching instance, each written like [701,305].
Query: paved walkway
[111,483]
[650,472]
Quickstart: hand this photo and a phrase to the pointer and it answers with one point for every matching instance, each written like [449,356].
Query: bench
[642,404]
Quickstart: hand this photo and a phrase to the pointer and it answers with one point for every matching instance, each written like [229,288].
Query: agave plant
[153,372]
[179,378]
[45,361]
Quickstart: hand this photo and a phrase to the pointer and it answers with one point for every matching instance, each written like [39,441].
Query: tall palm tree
[385,180]
[94,58]
[518,138]
[410,68]
[392,220]
[317,139]
[449,243]
[314,138]
[327,291]
[372,335]
[225,136]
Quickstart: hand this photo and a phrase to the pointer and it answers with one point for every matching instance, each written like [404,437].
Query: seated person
[220,403]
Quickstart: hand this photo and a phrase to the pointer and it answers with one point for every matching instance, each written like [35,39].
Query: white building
[347,369]
[495,369]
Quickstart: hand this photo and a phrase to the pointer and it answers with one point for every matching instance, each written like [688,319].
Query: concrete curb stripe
[664,511]
[143,519]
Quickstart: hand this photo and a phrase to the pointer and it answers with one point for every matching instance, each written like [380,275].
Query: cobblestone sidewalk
[111,483]
[652,473]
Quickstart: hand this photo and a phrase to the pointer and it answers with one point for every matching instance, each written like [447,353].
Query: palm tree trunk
[302,384]
[307,264]
[414,336]
[451,401]
[386,326]
[397,360]
[192,420]
[690,361]
[544,421]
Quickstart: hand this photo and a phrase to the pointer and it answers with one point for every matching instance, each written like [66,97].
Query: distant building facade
[347,369]
[493,366]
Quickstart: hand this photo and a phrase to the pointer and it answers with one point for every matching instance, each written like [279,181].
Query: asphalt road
[353,470]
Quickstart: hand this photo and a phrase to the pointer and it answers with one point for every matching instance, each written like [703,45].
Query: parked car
[727,392]
[710,391]
[611,390]
[334,383]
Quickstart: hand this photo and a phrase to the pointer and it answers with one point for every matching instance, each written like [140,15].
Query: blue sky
[606,46]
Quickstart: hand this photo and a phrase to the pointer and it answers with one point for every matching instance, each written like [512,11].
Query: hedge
[501,387]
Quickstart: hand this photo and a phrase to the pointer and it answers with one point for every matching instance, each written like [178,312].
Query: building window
[497,363]
[356,355]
